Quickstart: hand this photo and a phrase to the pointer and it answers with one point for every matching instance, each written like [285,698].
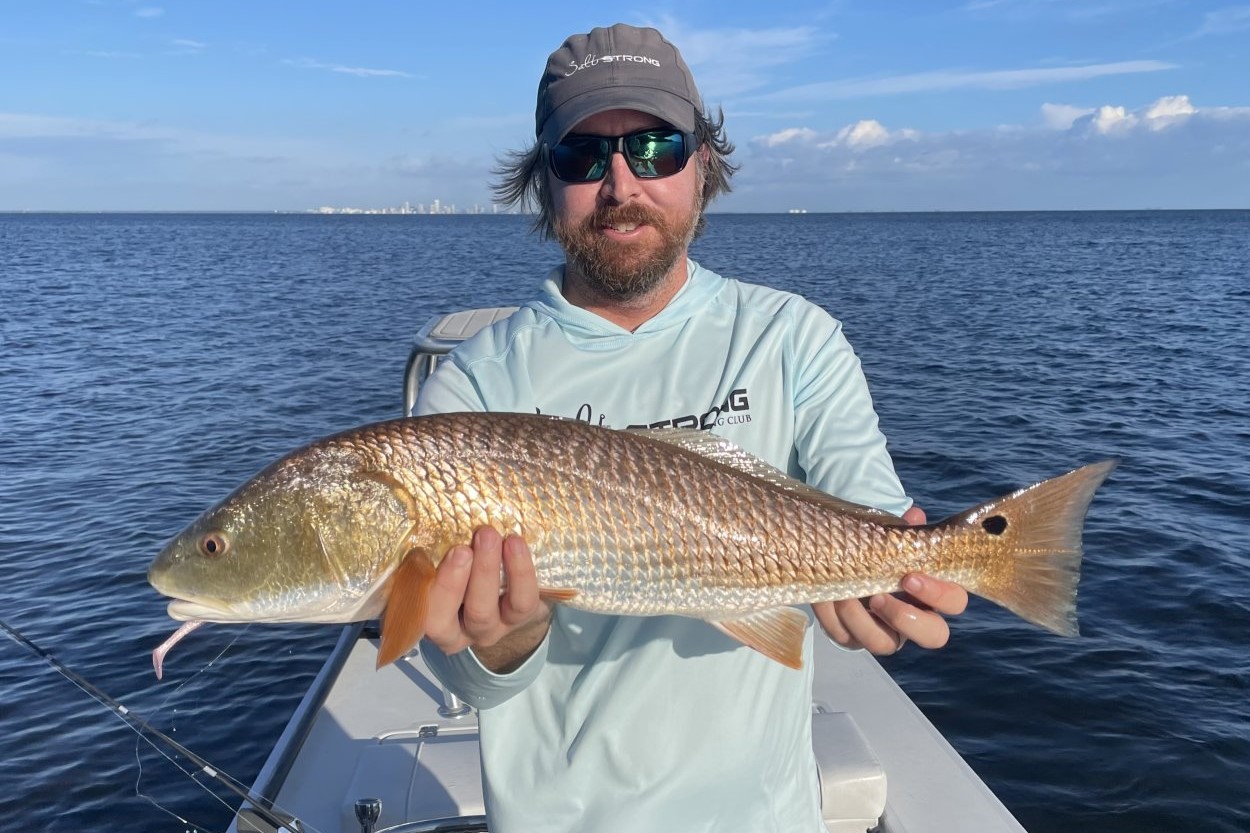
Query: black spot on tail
[994,524]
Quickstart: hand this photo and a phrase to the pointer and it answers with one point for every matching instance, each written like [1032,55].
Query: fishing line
[263,808]
[139,736]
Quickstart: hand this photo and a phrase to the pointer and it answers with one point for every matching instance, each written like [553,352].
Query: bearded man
[617,723]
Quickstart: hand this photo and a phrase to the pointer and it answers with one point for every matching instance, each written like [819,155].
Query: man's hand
[471,607]
[883,623]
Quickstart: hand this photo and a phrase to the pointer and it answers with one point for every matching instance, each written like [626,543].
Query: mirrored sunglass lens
[580,159]
[657,153]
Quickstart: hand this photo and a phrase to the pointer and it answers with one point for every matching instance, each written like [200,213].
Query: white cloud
[1111,156]
[1061,116]
[867,133]
[943,80]
[194,45]
[1109,120]
[863,134]
[360,72]
[1226,113]
[1168,106]
[1168,110]
[790,134]
[1162,114]
[149,11]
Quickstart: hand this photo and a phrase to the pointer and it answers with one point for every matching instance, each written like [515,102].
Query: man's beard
[625,271]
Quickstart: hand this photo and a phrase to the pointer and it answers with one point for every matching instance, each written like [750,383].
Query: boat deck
[379,734]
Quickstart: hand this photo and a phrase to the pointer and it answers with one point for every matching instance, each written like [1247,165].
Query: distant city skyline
[435,206]
[854,105]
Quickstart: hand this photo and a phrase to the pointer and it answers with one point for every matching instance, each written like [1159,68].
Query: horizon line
[785,212]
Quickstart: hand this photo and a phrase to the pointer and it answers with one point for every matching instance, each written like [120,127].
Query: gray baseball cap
[620,67]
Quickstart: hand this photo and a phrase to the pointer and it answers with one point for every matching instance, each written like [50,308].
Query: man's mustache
[628,214]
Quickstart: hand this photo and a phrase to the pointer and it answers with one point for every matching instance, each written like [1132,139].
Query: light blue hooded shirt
[620,723]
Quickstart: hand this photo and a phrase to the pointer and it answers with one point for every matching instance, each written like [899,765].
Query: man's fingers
[442,622]
[520,601]
[831,621]
[926,629]
[945,597]
[470,604]
[867,629]
[480,612]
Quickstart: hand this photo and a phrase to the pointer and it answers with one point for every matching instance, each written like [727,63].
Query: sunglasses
[651,154]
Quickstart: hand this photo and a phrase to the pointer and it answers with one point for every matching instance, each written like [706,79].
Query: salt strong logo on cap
[618,68]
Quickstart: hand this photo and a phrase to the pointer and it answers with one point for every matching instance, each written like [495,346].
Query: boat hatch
[852,780]
[437,338]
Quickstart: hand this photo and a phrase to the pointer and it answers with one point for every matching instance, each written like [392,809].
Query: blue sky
[850,105]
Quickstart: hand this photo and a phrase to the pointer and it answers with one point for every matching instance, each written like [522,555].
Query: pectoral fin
[777,633]
[403,623]
[557,594]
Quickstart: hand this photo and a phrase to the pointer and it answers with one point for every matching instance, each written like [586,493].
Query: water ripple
[150,363]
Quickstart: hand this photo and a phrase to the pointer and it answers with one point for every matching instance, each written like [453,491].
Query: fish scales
[626,522]
[696,531]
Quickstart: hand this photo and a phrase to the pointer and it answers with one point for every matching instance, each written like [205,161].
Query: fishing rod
[262,807]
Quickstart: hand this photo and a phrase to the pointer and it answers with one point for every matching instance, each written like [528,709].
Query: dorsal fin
[720,450]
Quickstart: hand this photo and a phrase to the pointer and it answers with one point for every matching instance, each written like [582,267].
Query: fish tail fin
[1040,529]
[403,623]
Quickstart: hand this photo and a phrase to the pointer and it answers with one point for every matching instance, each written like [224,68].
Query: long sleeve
[449,389]
[839,444]
[472,682]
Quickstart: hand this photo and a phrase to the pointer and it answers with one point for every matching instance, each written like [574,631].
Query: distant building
[435,207]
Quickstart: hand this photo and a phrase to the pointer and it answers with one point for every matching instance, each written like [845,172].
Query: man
[602,723]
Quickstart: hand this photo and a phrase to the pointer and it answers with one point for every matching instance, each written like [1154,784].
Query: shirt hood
[580,324]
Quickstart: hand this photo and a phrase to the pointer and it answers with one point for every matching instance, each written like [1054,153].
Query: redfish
[638,522]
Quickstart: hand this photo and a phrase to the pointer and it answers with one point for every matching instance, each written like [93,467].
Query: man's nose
[619,183]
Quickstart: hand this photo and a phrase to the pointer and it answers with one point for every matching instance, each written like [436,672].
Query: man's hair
[522,174]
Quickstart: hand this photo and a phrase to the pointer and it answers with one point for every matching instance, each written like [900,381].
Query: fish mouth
[185,610]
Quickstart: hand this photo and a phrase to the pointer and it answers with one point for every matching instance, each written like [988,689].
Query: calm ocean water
[150,363]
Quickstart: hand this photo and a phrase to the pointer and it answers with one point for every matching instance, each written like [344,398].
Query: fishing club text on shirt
[735,410]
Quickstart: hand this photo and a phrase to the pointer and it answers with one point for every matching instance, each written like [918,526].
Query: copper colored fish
[666,521]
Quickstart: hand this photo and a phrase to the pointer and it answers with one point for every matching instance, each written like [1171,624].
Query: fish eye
[214,544]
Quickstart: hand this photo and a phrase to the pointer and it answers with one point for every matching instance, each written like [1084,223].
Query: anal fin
[777,633]
[403,623]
